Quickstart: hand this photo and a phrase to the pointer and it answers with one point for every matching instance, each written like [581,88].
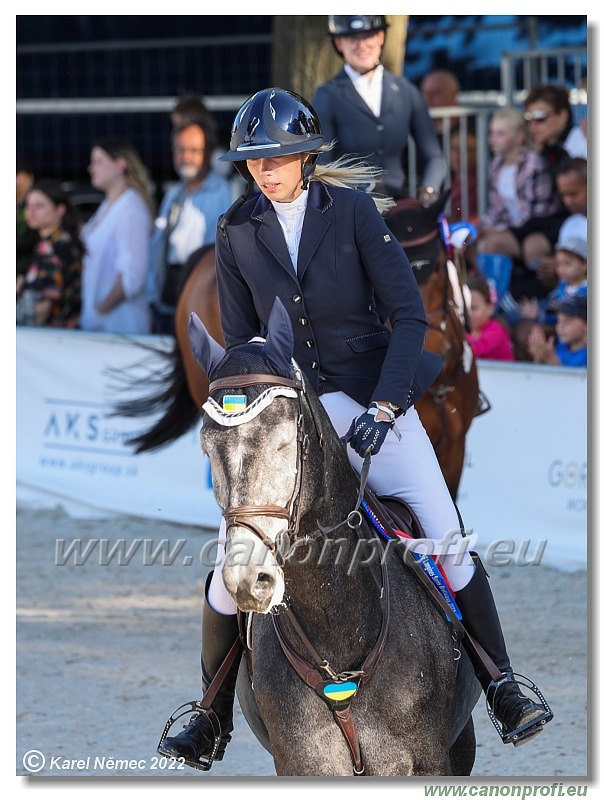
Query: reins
[438,321]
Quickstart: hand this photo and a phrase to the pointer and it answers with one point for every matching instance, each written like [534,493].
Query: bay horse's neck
[435,291]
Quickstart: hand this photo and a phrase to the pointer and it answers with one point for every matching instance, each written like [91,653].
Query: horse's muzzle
[254,587]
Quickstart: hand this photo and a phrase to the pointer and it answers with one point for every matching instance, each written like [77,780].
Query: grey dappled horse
[280,465]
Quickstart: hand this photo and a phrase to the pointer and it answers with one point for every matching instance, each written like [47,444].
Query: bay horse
[451,403]
[446,410]
[355,670]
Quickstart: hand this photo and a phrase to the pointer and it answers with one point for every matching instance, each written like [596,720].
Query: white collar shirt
[291,219]
[368,86]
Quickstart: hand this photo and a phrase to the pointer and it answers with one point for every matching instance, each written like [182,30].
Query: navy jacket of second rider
[347,256]
[382,140]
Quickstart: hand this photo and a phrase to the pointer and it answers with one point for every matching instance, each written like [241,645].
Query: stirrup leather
[194,709]
[524,732]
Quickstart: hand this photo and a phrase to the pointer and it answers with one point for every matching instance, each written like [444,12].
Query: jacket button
[310,343]
[303,321]
[314,365]
[297,298]
[379,128]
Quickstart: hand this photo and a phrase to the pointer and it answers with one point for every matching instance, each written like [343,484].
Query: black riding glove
[366,435]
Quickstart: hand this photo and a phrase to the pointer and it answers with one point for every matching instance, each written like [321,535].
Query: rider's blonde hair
[351,172]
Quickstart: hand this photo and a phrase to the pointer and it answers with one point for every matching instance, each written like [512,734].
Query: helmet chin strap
[308,168]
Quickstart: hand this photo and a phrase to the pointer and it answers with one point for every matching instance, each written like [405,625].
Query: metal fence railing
[124,88]
[523,69]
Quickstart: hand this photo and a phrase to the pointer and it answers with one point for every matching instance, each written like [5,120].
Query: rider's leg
[409,469]
[219,629]
[481,620]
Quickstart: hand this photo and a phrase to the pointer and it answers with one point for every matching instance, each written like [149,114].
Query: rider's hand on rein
[368,431]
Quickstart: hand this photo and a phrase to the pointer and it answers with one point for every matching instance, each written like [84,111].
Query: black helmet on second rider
[360,25]
[274,122]
[355,25]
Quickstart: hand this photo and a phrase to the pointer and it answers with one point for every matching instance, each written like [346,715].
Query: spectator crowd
[122,269]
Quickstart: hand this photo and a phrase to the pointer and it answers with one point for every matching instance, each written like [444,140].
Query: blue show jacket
[346,257]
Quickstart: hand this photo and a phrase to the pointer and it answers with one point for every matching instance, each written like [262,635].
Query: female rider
[325,250]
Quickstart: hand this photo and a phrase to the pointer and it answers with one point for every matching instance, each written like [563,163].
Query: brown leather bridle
[242,516]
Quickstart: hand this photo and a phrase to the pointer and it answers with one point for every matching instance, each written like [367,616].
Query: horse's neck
[335,594]
[436,291]
[332,583]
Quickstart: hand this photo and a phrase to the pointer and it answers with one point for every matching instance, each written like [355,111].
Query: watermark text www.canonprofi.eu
[150,552]
[555,789]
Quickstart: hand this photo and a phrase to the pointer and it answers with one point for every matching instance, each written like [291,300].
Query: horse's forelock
[245,359]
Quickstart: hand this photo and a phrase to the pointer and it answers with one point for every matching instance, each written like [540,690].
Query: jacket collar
[319,198]
[314,228]
[350,95]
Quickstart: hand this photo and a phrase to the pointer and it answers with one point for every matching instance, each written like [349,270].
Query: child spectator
[520,180]
[571,184]
[569,346]
[571,269]
[489,338]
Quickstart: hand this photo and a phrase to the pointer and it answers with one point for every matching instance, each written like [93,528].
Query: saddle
[402,517]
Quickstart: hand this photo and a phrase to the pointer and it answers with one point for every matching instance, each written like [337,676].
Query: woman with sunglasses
[548,114]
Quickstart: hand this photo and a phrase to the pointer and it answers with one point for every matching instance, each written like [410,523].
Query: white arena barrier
[523,491]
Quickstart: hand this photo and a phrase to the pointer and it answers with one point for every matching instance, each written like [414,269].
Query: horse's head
[417,227]
[253,434]
[435,252]
[426,236]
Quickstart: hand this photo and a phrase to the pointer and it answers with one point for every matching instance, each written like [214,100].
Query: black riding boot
[521,718]
[218,633]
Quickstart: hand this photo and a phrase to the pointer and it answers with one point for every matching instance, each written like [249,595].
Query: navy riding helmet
[274,122]
[360,25]
[355,25]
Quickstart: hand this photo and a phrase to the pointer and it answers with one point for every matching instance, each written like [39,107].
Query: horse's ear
[279,345]
[206,350]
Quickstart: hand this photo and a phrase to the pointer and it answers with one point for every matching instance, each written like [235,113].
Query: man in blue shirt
[187,218]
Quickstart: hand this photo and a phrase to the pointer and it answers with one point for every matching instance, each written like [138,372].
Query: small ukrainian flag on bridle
[234,402]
